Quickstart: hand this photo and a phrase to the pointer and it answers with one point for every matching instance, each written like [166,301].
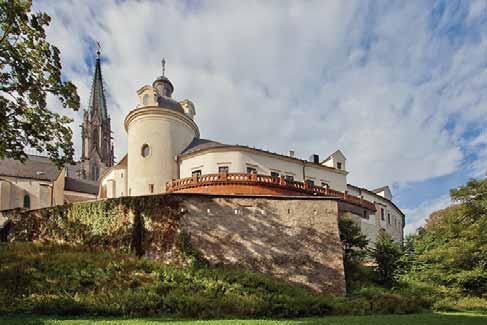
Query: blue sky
[398,86]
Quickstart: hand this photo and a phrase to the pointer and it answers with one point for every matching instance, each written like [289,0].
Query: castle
[166,154]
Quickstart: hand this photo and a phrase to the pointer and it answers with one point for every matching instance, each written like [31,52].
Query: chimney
[291,153]
[314,158]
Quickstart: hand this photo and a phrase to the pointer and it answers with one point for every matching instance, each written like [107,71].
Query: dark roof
[169,103]
[201,144]
[380,189]
[97,101]
[80,185]
[35,167]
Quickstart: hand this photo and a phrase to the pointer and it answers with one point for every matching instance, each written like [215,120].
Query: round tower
[158,130]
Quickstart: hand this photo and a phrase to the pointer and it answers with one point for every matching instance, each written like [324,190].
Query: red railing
[263,180]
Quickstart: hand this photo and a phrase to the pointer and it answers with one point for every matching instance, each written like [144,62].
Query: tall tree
[30,70]
[452,248]
[353,244]
[386,254]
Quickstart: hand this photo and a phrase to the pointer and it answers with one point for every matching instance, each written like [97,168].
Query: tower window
[339,165]
[151,188]
[223,169]
[145,150]
[196,172]
[382,214]
[27,201]
[389,218]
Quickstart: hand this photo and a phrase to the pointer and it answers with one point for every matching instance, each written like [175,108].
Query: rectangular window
[151,188]
[196,172]
[339,165]
[366,215]
[310,182]
[289,178]
[274,174]
[251,170]
[389,218]
[382,214]
[223,169]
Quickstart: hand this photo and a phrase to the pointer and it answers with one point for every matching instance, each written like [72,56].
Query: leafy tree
[452,248]
[353,244]
[30,70]
[386,254]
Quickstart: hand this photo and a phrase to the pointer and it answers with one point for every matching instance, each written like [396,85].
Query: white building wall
[239,160]
[114,183]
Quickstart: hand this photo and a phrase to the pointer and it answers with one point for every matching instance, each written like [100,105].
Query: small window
[339,165]
[151,188]
[251,170]
[389,218]
[366,215]
[310,182]
[27,201]
[145,150]
[121,175]
[382,214]
[145,100]
[324,184]
[196,172]
[274,174]
[289,178]
[223,169]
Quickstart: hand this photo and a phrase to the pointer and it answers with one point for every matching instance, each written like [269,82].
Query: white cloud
[377,81]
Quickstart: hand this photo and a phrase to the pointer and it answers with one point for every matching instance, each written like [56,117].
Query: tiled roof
[80,185]
[35,167]
[201,144]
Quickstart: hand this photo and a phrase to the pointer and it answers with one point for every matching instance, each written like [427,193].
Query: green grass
[420,319]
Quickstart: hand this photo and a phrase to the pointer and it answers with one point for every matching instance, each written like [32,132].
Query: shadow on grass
[419,319]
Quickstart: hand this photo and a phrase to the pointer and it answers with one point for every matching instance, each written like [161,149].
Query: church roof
[97,102]
[80,185]
[35,167]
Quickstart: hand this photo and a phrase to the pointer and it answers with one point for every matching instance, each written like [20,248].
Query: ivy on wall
[147,225]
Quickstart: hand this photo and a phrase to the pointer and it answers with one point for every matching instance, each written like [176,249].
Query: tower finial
[98,46]
[163,67]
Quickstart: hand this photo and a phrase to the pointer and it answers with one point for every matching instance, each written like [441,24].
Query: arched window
[27,201]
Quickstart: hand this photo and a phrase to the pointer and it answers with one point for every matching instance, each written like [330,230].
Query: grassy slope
[421,319]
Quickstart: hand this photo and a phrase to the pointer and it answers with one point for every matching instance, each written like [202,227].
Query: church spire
[97,103]
[97,150]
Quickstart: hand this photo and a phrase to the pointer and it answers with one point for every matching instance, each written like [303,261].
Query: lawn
[420,319]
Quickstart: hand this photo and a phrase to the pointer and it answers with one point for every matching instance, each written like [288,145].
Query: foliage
[353,244]
[423,318]
[451,250]
[386,254]
[30,70]
[53,279]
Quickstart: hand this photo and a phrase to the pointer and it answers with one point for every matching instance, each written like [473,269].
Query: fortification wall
[295,239]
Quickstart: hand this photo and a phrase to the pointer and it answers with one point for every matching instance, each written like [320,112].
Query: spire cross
[163,66]
[98,46]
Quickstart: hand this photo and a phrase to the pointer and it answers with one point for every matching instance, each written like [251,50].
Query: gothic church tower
[97,146]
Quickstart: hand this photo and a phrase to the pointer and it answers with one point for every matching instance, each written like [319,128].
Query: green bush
[473,304]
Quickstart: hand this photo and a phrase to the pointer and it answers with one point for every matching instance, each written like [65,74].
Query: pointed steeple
[97,152]
[97,104]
